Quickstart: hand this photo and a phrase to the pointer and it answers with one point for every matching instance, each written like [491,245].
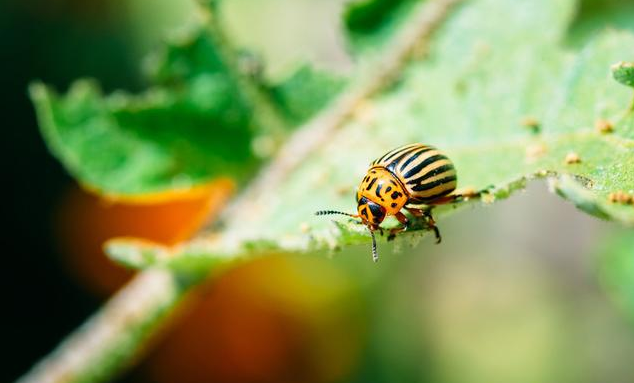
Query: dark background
[54,41]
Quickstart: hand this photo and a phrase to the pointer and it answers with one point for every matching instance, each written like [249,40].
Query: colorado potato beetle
[413,177]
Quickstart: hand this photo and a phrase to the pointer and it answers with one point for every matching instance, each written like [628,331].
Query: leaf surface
[202,118]
[471,96]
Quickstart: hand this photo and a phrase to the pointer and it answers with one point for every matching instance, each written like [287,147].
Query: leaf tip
[37,90]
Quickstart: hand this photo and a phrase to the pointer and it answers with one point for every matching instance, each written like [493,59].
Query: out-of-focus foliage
[594,16]
[126,144]
[371,23]
[473,96]
[195,123]
[616,265]
[305,92]
[275,319]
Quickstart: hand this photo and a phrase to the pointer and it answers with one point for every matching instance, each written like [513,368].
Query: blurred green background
[528,290]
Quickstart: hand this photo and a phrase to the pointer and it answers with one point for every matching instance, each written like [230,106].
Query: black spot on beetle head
[371,212]
[378,212]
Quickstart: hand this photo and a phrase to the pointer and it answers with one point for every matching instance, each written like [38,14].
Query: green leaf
[371,23]
[123,144]
[616,270]
[305,92]
[594,16]
[624,73]
[469,97]
[202,118]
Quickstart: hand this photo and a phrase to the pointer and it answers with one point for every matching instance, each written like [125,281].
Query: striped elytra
[404,178]
[423,170]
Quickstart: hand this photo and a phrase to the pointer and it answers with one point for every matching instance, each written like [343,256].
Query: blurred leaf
[616,268]
[123,144]
[198,121]
[470,97]
[371,23]
[185,56]
[624,73]
[306,91]
[594,16]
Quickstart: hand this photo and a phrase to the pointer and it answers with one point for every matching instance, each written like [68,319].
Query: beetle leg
[395,231]
[402,218]
[404,221]
[426,213]
[432,225]
[453,198]
[416,212]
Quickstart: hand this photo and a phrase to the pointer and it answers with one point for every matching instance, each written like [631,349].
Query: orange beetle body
[404,178]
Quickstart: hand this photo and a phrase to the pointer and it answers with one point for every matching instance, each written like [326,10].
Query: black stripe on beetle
[396,152]
[434,184]
[414,157]
[426,162]
[371,183]
[378,190]
[376,212]
[378,160]
[431,173]
[398,159]
[425,200]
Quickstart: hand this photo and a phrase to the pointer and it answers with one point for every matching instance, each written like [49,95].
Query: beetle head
[371,213]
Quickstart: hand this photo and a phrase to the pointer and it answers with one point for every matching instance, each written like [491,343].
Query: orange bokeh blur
[276,319]
[85,221]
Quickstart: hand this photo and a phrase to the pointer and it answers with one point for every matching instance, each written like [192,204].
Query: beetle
[414,177]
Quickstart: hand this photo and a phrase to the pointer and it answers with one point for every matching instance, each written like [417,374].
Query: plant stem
[107,342]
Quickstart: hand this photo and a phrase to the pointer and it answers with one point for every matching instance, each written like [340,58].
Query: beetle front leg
[404,221]
[426,213]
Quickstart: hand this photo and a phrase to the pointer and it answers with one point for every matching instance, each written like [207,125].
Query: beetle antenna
[375,255]
[329,212]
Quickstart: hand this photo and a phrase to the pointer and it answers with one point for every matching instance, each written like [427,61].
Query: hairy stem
[107,342]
